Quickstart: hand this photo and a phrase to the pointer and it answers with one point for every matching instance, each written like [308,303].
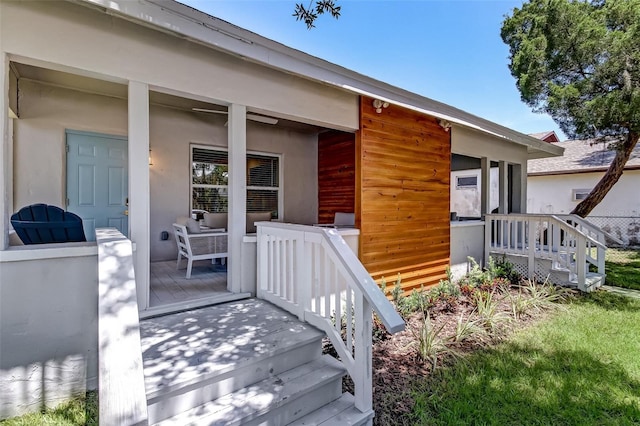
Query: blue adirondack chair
[44,224]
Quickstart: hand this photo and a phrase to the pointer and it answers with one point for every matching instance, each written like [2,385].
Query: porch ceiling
[119,90]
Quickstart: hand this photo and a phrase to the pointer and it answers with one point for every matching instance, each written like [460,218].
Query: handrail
[392,321]
[593,228]
[122,397]
[312,273]
[584,234]
[541,236]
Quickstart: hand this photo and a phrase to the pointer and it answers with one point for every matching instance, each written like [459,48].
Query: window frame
[576,191]
[458,186]
[279,189]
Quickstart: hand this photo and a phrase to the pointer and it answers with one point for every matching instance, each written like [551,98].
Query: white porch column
[6,157]
[237,137]
[485,188]
[139,186]
[503,187]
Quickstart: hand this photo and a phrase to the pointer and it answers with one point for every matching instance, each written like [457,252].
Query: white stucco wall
[473,143]
[40,158]
[466,201]
[48,333]
[617,213]
[39,137]
[97,44]
[553,194]
[467,240]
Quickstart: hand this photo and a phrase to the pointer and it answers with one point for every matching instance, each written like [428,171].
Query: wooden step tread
[592,279]
[192,346]
[253,401]
[341,412]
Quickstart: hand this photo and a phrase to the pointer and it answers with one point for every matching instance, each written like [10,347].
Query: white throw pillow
[193,227]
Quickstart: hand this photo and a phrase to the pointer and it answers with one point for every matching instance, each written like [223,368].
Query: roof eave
[182,20]
[580,171]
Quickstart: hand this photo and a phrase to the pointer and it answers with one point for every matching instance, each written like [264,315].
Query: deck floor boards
[185,346]
[169,285]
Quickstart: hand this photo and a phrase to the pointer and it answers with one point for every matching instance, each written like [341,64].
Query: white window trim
[466,186]
[279,189]
[574,193]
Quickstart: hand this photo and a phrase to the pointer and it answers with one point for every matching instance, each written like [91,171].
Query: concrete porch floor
[169,285]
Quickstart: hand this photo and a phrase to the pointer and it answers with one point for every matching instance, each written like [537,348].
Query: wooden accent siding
[403,168]
[336,174]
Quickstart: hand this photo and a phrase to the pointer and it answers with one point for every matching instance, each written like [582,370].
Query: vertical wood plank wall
[403,168]
[336,174]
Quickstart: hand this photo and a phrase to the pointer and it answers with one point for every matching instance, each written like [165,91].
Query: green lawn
[77,412]
[580,366]
[623,268]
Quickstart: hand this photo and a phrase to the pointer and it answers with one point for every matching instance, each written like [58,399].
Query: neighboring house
[549,136]
[155,111]
[557,185]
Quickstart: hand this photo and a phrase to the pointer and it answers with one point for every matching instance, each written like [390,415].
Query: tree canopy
[579,61]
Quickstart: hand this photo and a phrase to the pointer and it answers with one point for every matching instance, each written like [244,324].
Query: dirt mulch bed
[397,366]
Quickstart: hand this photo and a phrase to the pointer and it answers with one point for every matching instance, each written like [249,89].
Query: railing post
[303,275]
[488,223]
[581,262]
[556,238]
[120,378]
[531,265]
[263,265]
[601,257]
[362,380]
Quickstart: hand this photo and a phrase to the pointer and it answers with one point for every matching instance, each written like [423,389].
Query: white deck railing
[589,228]
[121,392]
[570,246]
[312,273]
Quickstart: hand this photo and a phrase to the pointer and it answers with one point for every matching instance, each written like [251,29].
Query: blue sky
[447,50]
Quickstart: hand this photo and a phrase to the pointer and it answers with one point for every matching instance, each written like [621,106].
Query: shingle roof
[580,156]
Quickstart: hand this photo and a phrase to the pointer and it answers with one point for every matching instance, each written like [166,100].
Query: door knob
[126,213]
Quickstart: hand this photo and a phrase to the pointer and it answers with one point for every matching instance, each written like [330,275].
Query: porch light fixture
[446,125]
[150,159]
[378,105]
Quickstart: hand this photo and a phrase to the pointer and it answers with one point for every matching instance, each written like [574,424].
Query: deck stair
[245,362]
[567,249]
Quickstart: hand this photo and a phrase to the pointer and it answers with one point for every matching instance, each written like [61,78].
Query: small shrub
[447,288]
[396,293]
[489,315]
[416,301]
[467,328]
[379,332]
[467,289]
[520,304]
[544,295]
[430,342]
[383,286]
[496,284]
[502,268]
[476,276]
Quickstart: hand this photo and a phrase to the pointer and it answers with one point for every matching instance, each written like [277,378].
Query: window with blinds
[209,181]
